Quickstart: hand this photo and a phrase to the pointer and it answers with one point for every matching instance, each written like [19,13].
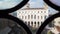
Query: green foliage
[48,32]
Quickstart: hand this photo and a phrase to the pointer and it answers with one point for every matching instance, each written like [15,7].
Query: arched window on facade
[38,17]
[41,17]
[38,24]
[28,23]
[31,16]
[32,23]
[28,16]
[35,24]
[34,16]
[45,16]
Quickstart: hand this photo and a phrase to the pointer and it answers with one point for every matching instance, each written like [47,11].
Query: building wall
[33,16]
[30,16]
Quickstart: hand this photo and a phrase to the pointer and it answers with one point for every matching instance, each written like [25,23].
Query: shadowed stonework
[53,27]
[10,27]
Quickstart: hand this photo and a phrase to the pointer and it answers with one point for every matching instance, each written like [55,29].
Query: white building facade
[33,16]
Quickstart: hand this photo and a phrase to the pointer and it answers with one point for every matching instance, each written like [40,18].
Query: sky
[33,4]
[39,4]
[36,3]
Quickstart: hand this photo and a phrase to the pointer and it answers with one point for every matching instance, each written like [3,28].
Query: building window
[38,23]
[31,16]
[38,17]
[44,11]
[41,17]
[32,23]
[34,16]
[35,22]
[28,23]
[45,16]
[28,16]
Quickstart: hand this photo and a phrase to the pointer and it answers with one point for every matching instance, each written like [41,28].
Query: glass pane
[53,27]
[6,4]
[56,2]
[10,27]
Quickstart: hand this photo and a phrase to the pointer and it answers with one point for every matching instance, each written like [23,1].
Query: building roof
[32,8]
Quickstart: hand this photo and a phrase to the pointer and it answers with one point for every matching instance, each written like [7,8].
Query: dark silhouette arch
[20,5]
[20,22]
[46,22]
[52,5]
